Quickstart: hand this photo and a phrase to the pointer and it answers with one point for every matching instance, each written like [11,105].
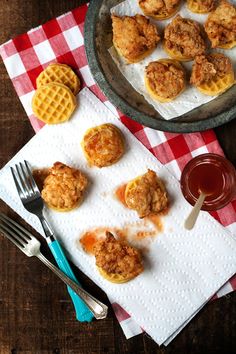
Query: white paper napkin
[182,269]
[134,73]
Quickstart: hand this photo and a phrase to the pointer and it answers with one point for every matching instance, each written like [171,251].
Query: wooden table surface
[36,314]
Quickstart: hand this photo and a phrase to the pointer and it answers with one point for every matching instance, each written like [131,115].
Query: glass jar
[212,175]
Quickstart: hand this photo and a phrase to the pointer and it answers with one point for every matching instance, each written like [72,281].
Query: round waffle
[163,14]
[218,85]
[53,103]
[154,93]
[199,7]
[60,73]
[175,54]
[114,278]
[103,145]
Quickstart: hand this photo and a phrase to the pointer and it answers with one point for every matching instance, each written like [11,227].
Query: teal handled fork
[32,201]
[30,246]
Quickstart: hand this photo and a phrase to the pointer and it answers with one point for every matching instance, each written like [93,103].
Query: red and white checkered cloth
[61,40]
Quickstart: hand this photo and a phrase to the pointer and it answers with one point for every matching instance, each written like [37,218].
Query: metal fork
[32,201]
[28,244]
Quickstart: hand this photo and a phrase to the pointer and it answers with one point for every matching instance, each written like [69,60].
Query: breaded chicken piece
[159,9]
[207,67]
[64,187]
[117,261]
[183,39]
[146,194]
[221,26]
[134,37]
[200,6]
[165,79]
[103,145]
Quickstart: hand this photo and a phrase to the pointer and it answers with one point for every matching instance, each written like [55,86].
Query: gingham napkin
[61,40]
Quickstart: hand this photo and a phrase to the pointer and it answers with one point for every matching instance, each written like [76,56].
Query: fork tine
[18,186]
[24,178]
[11,236]
[32,181]
[22,232]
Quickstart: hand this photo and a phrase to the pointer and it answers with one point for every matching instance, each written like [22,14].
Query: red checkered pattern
[61,40]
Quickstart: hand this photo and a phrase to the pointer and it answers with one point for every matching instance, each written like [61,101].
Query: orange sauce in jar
[212,175]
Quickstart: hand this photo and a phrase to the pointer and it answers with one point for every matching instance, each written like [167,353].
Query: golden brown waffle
[175,54]
[218,85]
[153,93]
[60,73]
[103,145]
[163,13]
[197,7]
[228,45]
[114,278]
[53,103]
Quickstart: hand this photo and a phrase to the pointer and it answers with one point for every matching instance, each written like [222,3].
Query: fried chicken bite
[212,74]
[221,26]
[183,39]
[64,187]
[103,145]
[165,79]
[159,9]
[146,194]
[117,261]
[134,37]
[201,7]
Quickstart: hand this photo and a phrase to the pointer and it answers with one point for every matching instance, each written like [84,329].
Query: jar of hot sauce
[212,175]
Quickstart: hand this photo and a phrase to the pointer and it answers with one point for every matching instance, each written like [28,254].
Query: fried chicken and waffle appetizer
[183,39]
[165,79]
[159,9]
[134,37]
[146,194]
[201,7]
[117,261]
[221,26]
[212,74]
[64,187]
[103,145]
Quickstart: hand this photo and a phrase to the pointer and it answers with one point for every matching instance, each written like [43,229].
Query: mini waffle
[175,54]
[53,103]
[218,85]
[199,7]
[60,73]
[163,14]
[103,145]
[154,93]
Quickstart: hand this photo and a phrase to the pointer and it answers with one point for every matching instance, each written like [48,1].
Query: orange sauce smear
[120,194]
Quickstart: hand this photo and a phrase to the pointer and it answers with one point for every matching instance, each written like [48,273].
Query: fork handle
[83,314]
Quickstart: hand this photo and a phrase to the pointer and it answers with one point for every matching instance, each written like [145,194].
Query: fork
[32,201]
[29,244]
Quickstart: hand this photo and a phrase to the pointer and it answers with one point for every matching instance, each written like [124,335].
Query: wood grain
[36,314]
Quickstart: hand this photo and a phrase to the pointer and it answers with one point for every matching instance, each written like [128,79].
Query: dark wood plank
[36,314]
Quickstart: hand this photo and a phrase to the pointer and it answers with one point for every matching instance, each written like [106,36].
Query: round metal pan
[98,39]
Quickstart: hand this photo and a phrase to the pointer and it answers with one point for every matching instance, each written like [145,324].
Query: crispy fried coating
[208,67]
[200,6]
[64,187]
[103,145]
[221,26]
[134,37]
[184,37]
[165,79]
[146,194]
[159,9]
[117,261]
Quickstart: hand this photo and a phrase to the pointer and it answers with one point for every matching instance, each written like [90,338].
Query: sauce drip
[206,178]
[88,241]
[120,194]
